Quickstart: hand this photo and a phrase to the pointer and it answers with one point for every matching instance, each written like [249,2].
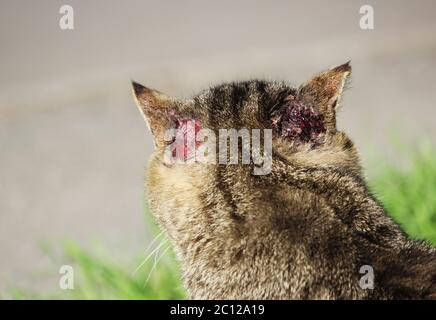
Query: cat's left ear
[324,91]
[158,109]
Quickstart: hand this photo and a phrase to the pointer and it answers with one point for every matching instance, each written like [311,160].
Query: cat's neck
[347,194]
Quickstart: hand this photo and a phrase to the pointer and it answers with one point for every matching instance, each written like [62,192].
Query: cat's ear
[158,109]
[324,91]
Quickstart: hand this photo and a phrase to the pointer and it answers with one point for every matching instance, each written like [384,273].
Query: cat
[303,231]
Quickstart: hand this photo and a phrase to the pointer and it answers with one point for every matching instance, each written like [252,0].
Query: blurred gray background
[73,146]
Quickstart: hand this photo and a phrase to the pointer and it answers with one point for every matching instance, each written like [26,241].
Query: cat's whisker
[148,257]
[156,261]
[154,240]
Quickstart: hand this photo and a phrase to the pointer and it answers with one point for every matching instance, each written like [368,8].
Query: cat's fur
[301,232]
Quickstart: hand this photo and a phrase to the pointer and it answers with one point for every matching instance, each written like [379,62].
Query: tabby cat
[302,231]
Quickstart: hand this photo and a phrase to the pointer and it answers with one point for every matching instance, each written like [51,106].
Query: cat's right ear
[158,109]
[324,91]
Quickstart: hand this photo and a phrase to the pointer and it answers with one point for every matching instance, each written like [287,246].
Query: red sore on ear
[297,122]
[187,129]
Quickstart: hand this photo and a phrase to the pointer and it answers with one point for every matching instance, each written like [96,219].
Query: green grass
[98,278]
[408,194]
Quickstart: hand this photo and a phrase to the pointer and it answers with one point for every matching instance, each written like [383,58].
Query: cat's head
[302,120]
[303,130]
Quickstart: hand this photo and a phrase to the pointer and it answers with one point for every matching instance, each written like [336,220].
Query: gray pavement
[73,146]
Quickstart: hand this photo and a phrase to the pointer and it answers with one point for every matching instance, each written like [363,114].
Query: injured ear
[324,91]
